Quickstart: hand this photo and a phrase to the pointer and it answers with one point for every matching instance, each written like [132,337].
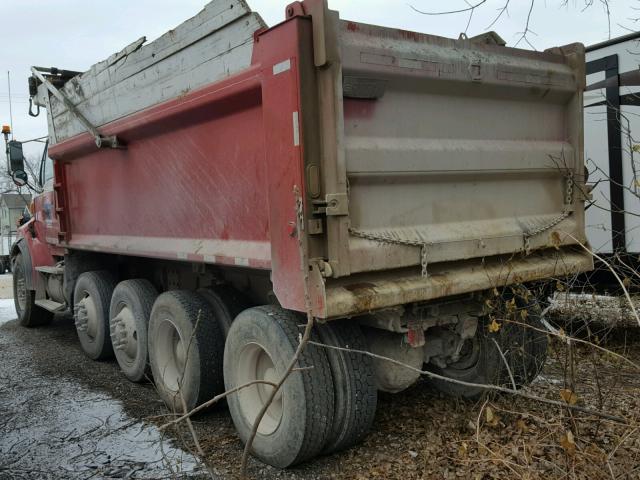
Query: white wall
[598,217]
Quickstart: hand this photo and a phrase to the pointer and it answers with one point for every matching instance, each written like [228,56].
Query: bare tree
[503,12]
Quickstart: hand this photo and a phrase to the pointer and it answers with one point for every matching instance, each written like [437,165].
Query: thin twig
[213,401]
[506,364]
[484,386]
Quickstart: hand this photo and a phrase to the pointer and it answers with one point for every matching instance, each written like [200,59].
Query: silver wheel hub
[171,353]
[86,316]
[124,334]
[257,365]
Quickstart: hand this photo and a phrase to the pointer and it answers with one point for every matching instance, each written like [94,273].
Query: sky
[75,34]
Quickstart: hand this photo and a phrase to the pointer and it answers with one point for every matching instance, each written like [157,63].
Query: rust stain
[352,27]
[409,35]
[359,108]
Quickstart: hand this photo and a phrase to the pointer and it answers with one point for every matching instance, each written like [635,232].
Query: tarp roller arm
[102,141]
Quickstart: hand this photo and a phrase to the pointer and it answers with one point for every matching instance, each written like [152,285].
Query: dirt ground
[65,416]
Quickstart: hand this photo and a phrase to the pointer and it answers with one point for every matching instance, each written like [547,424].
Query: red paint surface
[207,177]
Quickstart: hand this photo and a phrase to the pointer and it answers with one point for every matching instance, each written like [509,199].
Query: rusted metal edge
[365,293]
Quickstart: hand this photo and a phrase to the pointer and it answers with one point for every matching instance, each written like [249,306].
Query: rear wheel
[129,314]
[524,348]
[297,425]
[92,296]
[226,303]
[24,299]
[186,346]
[354,384]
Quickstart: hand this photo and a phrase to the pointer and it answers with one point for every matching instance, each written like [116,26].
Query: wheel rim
[171,352]
[21,289]
[256,364]
[125,334]
[87,318]
[470,355]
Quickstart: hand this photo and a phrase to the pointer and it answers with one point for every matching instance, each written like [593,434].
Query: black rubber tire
[356,395]
[307,419]
[200,379]
[29,314]
[138,295]
[226,302]
[524,349]
[99,286]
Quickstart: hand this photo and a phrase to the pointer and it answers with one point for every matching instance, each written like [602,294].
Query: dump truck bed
[408,167]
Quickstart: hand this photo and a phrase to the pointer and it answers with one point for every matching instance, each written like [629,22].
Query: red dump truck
[204,191]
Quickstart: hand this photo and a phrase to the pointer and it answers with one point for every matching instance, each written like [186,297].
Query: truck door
[45,203]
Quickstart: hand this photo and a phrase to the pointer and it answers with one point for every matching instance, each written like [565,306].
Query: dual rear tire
[326,404]
[92,297]
[514,354]
[129,313]
[185,350]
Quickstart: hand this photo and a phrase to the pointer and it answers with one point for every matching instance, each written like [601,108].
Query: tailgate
[452,149]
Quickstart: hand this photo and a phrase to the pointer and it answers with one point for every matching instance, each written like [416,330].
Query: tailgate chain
[568,203]
[383,237]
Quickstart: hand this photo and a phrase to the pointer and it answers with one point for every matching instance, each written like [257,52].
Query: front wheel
[29,314]
[513,330]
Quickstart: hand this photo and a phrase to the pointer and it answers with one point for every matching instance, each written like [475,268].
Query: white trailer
[612,133]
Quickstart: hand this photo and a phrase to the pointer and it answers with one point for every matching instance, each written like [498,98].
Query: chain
[384,237]
[388,238]
[568,201]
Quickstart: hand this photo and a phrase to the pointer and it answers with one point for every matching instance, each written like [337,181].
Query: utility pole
[10,107]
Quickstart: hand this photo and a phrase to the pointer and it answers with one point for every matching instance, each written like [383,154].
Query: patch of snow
[7,310]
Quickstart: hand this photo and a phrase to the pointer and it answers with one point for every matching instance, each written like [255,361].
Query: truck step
[54,270]
[50,305]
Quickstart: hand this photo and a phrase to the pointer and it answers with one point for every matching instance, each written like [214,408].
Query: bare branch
[451,12]
[502,11]
[484,386]
[526,27]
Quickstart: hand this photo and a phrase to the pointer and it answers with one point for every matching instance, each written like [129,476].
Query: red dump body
[208,177]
